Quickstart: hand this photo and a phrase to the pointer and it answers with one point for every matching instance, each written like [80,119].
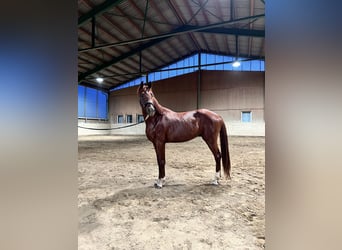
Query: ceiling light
[99,79]
[236,64]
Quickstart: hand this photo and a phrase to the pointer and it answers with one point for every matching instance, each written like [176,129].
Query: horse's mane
[159,108]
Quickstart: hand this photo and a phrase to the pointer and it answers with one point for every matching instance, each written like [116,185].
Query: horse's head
[146,99]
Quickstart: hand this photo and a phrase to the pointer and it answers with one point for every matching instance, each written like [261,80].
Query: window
[255,65]
[81,101]
[219,62]
[246,66]
[246,116]
[219,59]
[102,99]
[92,103]
[120,119]
[262,65]
[140,118]
[129,118]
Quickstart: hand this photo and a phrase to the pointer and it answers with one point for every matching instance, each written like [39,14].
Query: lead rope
[131,125]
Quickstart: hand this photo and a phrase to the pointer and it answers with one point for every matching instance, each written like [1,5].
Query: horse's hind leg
[212,144]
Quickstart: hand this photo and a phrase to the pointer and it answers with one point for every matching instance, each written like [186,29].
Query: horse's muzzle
[150,109]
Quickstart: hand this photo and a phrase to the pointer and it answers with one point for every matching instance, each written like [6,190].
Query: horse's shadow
[149,193]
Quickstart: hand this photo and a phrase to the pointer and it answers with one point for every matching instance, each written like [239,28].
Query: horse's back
[209,115]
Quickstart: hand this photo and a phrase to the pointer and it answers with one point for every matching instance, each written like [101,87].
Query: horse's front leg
[160,151]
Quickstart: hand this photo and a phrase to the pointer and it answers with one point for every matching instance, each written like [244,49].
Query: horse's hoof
[215,182]
[159,183]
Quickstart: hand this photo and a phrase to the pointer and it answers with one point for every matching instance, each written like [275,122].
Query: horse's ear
[149,85]
[141,84]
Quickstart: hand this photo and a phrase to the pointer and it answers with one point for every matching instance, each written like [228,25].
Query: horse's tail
[225,151]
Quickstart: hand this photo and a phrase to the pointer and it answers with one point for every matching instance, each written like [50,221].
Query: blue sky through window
[92,103]
[221,62]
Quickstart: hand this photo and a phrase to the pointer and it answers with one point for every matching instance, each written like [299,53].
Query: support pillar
[93,25]
[198,105]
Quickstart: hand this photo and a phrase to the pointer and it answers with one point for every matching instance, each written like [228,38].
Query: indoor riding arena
[196,55]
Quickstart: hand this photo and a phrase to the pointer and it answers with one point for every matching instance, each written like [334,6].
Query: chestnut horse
[164,125]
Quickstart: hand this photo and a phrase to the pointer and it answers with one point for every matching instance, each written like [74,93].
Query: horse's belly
[180,138]
[182,133]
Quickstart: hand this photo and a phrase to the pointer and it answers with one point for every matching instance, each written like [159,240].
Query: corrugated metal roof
[123,34]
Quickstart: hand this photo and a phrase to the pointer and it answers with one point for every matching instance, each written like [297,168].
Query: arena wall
[93,127]
[227,93]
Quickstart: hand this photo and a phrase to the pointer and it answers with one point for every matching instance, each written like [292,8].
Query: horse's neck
[160,109]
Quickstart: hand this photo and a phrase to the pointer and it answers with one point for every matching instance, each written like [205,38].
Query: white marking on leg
[217,177]
[159,183]
[215,182]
